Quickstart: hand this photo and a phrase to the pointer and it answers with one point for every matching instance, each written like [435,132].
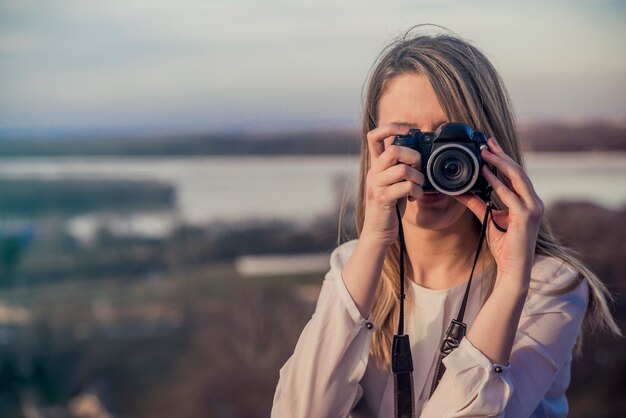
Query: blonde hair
[469,89]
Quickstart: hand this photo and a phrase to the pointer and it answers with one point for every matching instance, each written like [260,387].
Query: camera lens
[452,169]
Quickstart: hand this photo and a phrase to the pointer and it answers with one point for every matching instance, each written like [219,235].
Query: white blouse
[331,374]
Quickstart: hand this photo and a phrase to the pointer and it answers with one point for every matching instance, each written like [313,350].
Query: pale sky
[187,65]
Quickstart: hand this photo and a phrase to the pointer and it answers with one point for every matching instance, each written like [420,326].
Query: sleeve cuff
[467,354]
[487,386]
[351,307]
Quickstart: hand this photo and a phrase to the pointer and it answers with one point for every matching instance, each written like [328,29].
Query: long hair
[470,90]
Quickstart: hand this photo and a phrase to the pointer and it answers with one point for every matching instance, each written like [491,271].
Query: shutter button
[369,325]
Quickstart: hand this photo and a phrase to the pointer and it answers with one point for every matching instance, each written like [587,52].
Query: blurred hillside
[580,136]
[546,136]
[168,327]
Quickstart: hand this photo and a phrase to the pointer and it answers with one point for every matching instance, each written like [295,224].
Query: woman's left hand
[513,250]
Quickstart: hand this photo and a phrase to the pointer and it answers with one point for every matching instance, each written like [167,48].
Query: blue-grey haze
[229,64]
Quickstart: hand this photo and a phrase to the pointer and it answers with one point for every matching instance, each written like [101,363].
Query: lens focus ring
[452,169]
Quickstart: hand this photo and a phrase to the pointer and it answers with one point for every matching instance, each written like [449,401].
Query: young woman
[528,297]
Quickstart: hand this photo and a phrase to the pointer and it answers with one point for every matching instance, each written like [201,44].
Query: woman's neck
[442,259]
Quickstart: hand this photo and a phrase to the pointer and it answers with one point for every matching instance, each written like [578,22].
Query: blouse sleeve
[474,386]
[321,378]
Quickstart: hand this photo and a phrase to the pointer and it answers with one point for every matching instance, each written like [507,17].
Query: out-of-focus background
[171,174]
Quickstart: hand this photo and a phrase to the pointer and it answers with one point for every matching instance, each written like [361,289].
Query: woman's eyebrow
[416,125]
[409,124]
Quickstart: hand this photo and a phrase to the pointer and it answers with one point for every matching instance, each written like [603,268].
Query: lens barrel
[452,169]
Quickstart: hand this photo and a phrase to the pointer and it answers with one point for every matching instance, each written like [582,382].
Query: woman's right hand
[389,182]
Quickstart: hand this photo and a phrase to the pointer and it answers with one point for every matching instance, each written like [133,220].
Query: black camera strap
[401,359]
[402,363]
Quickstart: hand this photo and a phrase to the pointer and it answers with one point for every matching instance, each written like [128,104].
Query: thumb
[473,203]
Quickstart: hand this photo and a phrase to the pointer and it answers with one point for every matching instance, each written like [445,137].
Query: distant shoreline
[544,137]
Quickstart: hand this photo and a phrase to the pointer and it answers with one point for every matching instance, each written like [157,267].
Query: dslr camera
[450,158]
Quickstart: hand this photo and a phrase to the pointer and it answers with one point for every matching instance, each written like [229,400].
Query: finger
[398,173]
[519,180]
[508,197]
[396,191]
[473,203]
[387,142]
[496,149]
[376,136]
[395,154]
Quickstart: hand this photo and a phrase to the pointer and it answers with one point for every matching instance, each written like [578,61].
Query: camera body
[450,158]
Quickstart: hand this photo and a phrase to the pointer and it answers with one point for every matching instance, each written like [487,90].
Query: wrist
[514,285]
[377,239]
[516,269]
[376,244]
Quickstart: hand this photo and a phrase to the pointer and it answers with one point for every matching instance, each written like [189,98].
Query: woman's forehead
[410,100]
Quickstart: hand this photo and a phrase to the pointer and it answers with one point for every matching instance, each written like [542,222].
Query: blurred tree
[12,248]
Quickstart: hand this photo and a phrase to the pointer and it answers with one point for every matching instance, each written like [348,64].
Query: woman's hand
[513,250]
[389,182]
